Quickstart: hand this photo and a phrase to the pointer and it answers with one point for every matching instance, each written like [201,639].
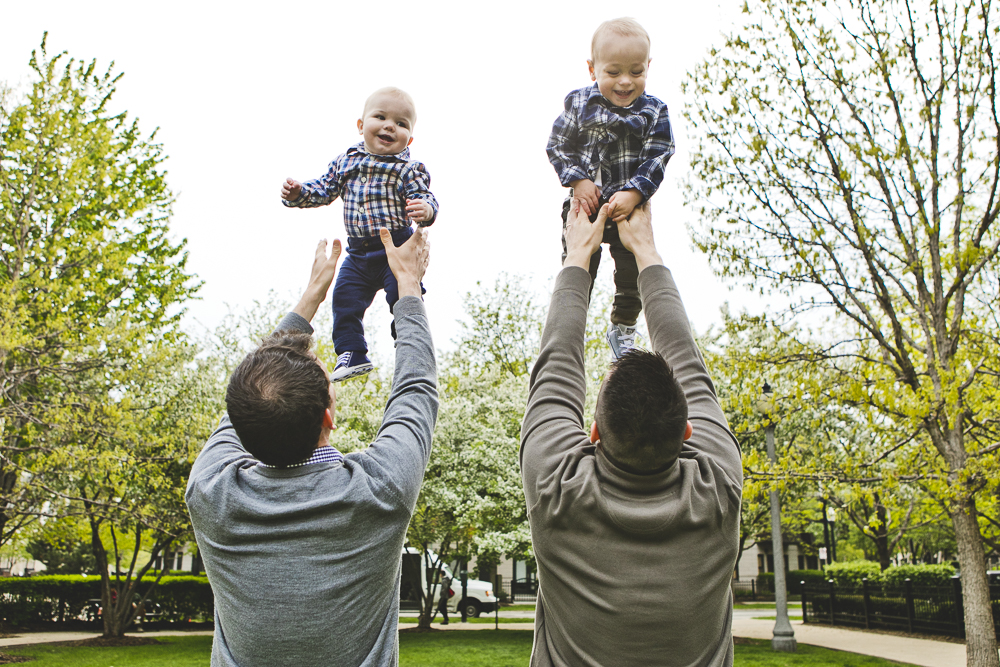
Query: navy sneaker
[351,364]
[621,338]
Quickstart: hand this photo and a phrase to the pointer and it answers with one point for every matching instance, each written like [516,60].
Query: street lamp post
[783,638]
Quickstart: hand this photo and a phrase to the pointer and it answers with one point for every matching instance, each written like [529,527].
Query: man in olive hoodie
[635,524]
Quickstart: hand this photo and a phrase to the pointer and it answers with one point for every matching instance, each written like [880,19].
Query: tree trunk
[980,635]
[881,536]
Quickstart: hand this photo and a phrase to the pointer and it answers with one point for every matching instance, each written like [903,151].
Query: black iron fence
[517,590]
[924,609]
[750,589]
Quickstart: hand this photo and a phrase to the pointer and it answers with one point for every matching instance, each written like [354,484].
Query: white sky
[246,94]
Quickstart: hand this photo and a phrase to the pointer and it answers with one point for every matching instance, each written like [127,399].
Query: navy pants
[363,272]
[627,305]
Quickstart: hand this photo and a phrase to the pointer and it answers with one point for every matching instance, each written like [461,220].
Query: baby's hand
[588,193]
[418,210]
[622,203]
[291,189]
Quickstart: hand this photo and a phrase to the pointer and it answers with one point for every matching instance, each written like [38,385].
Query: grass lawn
[173,652]
[504,648]
[455,618]
[517,607]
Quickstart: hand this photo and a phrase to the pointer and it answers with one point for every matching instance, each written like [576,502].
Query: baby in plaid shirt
[381,187]
[610,145]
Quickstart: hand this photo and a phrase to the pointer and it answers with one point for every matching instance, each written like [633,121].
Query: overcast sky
[246,94]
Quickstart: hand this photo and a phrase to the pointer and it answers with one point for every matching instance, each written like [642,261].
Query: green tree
[84,256]
[121,466]
[848,158]
[97,401]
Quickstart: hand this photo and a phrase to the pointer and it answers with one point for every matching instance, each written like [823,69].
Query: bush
[62,598]
[851,573]
[920,575]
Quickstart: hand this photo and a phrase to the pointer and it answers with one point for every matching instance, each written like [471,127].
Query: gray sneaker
[621,338]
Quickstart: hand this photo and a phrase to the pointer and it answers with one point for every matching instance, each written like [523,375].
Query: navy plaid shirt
[374,189]
[630,145]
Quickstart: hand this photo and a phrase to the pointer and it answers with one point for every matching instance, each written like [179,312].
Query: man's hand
[291,189]
[320,277]
[409,261]
[418,210]
[636,235]
[587,192]
[583,237]
[622,203]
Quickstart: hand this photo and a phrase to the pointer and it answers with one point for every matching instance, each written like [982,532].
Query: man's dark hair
[276,399]
[641,413]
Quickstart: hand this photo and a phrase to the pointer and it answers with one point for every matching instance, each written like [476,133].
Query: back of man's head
[276,399]
[642,413]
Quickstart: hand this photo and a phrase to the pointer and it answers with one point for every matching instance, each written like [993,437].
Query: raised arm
[671,337]
[402,448]
[317,192]
[553,419]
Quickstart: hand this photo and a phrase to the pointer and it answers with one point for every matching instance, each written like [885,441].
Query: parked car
[413,584]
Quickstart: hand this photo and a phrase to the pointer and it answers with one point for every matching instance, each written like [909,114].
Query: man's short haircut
[623,27]
[276,399]
[642,412]
[399,93]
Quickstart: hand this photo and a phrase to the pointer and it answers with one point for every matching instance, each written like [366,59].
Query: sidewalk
[55,637]
[923,652]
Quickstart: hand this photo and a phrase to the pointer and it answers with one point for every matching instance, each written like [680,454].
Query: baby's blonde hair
[623,27]
[399,93]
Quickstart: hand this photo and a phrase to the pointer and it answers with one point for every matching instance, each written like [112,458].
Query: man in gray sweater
[302,545]
[635,524]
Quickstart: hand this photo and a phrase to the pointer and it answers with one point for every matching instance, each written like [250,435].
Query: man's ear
[590,66]
[594,435]
[328,420]
[688,430]
[361,126]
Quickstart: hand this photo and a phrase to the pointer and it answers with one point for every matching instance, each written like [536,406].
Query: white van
[413,585]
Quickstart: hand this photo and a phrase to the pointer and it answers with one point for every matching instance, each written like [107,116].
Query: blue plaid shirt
[374,189]
[630,145]
[325,454]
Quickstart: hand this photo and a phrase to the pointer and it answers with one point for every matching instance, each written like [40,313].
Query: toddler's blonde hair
[623,27]
[399,93]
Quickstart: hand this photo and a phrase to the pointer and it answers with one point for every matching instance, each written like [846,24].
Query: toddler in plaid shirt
[381,188]
[610,145]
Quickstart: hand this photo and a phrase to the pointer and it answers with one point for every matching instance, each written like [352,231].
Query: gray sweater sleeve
[553,419]
[670,335]
[402,448]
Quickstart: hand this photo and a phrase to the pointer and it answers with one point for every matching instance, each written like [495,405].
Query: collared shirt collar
[595,97]
[402,156]
[325,454]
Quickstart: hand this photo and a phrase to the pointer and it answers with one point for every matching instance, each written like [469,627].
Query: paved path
[52,637]
[923,652]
